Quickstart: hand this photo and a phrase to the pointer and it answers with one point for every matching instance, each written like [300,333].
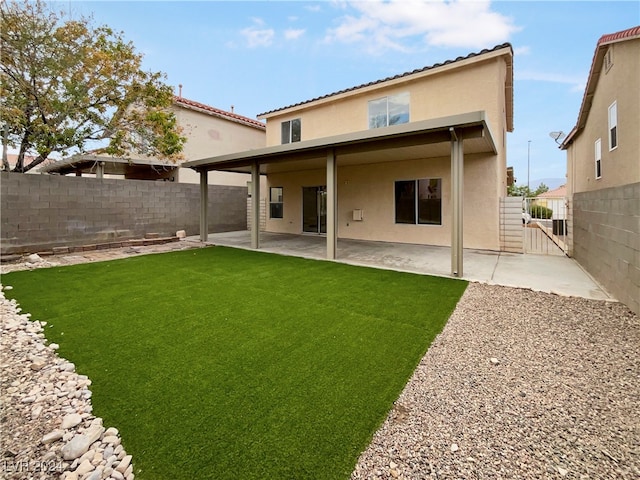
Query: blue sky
[263,55]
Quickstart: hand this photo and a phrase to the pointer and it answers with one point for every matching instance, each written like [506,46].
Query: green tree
[67,84]
[524,191]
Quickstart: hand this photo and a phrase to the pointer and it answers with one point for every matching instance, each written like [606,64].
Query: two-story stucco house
[603,168]
[417,158]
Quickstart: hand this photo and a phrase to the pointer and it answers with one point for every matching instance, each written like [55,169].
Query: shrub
[538,211]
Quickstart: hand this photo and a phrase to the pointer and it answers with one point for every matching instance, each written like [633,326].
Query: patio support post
[332,197]
[100,170]
[204,204]
[457,196]
[255,205]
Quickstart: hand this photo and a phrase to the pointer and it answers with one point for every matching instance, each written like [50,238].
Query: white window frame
[597,154]
[275,202]
[613,126]
[289,126]
[387,100]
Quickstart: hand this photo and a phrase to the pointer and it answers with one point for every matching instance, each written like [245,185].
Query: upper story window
[613,125]
[391,110]
[291,131]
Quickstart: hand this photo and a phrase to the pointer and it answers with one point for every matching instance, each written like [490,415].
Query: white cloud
[257,36]
[401,24]
[293,34]
[577,82]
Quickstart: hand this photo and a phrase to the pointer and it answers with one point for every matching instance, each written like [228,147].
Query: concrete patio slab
[547,273]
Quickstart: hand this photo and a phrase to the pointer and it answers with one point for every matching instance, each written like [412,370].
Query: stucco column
[255,205]
[457,196]
[332,208]
[100,170]
[204,204]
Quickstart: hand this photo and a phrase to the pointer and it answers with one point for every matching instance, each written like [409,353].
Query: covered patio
[453,136]
[552,274]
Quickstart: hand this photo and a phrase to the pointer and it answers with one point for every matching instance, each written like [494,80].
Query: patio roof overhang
[422,139]
[106,165]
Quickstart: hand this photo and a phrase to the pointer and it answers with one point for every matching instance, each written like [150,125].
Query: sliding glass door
[314,209]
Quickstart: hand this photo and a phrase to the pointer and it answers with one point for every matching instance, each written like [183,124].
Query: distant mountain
[552,183]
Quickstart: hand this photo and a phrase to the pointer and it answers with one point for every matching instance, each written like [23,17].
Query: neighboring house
[392,160]
[12,159]
[209,130]
[603,168]
[555,200]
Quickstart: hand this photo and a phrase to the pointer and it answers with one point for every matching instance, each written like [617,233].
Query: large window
[291,131]
[276,206]
[598,158]
[419,201]
[613,126]
[391,110]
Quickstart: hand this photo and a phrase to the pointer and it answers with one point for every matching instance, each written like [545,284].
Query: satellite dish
[558,136]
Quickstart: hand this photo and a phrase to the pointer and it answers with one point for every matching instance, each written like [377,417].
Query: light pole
[528,165]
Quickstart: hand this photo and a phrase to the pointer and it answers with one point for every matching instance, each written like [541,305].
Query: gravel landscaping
[519,385]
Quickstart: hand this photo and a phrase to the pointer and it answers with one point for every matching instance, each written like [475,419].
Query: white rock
[494,361]
[563,471]
[36,412]
[111,431]
[117,475]
[54,346]
[181,234]
[38,363]
[52,436]
[77,447]
[111,440]
[94,433]
[70,421]
[124,464]
[84,467]
[96,475]
[107,452]
[7,287]
[454,447]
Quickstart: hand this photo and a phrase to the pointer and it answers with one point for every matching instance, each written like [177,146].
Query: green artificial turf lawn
[222,363]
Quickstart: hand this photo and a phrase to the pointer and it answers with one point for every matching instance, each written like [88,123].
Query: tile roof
[405,74]
[622,35]
[201,107]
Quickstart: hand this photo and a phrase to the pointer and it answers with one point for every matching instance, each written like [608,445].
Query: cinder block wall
[606,239]
[42,211]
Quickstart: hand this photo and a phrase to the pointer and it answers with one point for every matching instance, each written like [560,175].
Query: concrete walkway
[546,273]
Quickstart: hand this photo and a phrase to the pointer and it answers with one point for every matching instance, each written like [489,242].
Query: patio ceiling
[423,139]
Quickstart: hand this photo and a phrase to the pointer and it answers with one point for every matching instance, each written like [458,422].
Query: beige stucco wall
[371,188]
[461,87]
[620,166]
[209,136]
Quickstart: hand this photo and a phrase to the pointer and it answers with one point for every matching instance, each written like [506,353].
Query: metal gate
[545,225]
